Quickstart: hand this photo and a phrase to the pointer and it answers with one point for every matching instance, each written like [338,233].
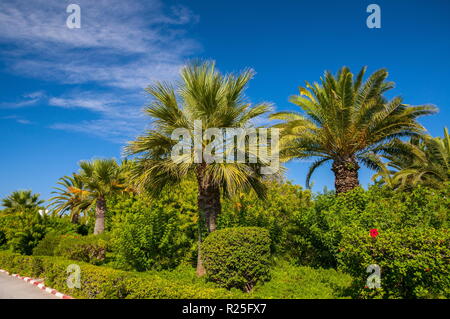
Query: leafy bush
[156,238]
[23,231]
[2,238]
[173,217]
[237,257]
[316,234]
[90,249]
[48,245]
[154,233]
[284,201]
[106,283]
[414,262]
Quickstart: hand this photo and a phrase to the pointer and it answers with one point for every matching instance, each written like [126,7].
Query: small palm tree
[422,160]
[347,121]
[219,102]
[21,201]
[102,178]
[71,197]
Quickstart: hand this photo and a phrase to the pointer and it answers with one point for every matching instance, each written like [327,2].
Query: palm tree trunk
[201,271]
[75,218]
[345,174]
[209,207]
[100,210]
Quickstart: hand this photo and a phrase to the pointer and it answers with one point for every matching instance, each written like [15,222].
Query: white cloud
[28,99]
[121,47]
[120,119]
[16,118]
[114,130]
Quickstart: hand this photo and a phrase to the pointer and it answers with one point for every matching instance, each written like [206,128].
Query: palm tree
[217,101]
[423,160]
[71,197]
[346,121]
[21,201]
[102,178]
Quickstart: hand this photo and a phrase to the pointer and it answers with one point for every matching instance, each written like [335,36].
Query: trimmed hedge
[237,257]
[106,283]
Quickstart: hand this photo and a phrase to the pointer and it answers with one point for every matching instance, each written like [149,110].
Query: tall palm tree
[423,160]
[346,121]
[217,101]
[71,197]
[102,178]
[21,201]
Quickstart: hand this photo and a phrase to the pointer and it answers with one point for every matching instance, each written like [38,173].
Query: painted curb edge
[39,284]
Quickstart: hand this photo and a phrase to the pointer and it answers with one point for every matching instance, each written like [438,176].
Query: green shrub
[91,249]
[153,236]
[23,231]
[172,229]
[414,262]
[101,282]
[48,245]
[284,201]
[237,257]
[2,238]
[316,234]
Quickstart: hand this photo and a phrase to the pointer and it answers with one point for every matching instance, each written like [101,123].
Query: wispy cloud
[114,130]
[16,118]
[26,100]
[121,47]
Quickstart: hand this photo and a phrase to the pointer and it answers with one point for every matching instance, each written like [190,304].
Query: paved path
[14,288]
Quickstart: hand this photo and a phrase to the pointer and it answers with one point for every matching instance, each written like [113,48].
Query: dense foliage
[103,282]
[413,262]
[23,231]
[139,227]
[90,249]
[237,257]
[317,232]
[48,244]
[152,234]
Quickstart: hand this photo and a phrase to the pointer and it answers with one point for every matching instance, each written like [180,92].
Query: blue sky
[73,94]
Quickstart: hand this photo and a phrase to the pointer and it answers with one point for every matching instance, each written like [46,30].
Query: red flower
[374,232]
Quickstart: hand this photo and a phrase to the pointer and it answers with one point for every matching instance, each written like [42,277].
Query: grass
[287,282]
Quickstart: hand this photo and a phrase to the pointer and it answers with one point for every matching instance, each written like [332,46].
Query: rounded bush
[237,257]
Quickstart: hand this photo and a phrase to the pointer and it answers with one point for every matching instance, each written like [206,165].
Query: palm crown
[422,160]
[346,121]
[21,201]
[219,102]
[71,196]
